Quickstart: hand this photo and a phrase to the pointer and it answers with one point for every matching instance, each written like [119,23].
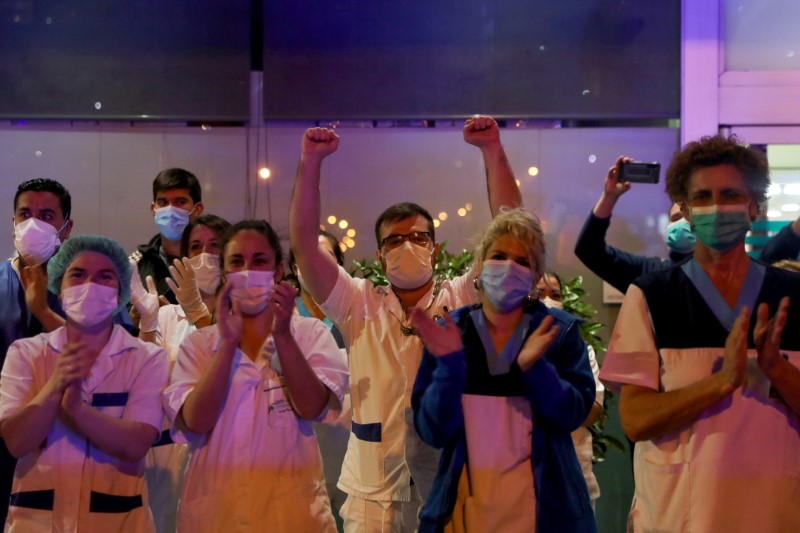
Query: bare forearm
[203,322]
[127,440]
[309,395]
[594,415]
[201,408]
[647,414]
[605,206]
[318,268]
[500,180]
[785,378]
[148,336]
[25,431]
[304,209]
[49,319]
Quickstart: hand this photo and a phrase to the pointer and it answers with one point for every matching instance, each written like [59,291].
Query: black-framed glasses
[420,238]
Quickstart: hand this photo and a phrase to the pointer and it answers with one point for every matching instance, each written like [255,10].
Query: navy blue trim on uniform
[367,432]
[500,363]
[34,499]
[716,303]
[682,319]
[109,399]
[163,439]
[101,502]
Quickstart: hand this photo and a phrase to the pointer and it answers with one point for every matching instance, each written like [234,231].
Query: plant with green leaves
[573,296]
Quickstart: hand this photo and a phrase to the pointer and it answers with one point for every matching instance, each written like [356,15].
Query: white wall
[109,171]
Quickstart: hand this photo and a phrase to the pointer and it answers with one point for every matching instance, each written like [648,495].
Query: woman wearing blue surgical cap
[80,406]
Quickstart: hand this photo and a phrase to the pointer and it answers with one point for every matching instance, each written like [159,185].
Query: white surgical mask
[206,272]
[549,302]
[36,241]
[171,221]
[409,266]
[506,283]
[250,289]
[89,304]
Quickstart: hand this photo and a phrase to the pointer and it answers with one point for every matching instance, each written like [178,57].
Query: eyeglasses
[420,238]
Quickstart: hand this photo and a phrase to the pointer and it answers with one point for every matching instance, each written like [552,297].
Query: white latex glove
[186,292]
[145,301]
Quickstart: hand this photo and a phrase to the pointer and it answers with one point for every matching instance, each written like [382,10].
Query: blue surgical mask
[680,238]
[171,221]
[506,283]
[721,227]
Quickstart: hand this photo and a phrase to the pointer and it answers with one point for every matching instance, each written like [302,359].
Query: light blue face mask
[506,283]
[171,221]
[680,238]
[721,227]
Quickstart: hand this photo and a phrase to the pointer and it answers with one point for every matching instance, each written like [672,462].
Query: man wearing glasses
[388,470]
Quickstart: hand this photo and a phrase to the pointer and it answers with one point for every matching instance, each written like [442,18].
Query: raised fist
[320,142]
[481,130]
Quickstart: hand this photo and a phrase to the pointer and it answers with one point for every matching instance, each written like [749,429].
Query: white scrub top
[259,468]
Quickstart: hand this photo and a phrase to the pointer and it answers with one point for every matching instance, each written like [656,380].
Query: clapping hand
[229,317]
[767,334]
[184,284]
[537,344]
[439,339]
[146,302]
[734,360]
[281,300]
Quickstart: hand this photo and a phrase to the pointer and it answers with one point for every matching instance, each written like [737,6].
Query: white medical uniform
[68,484]
[259,468]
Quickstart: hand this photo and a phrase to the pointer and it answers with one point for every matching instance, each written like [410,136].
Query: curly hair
[711,151]
[523,226]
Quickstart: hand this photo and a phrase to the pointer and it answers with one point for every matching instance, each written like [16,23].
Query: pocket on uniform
[665,488]
[110,403]
[370,453]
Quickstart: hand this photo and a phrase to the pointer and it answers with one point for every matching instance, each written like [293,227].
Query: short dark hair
[46,185]
[216,224]
[262,227]
[711,151]
[177,178]
[401,212]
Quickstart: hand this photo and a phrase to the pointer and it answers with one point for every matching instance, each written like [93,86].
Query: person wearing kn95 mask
[388,471]
[244,392]
[195,280]
[615,266]
[177,199]
[42,222]
[510,367]
[705,356]
[81,405]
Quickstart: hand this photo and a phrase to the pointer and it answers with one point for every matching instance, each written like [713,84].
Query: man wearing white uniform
[387,469]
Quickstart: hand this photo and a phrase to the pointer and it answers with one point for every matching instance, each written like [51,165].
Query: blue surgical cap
[74,246]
